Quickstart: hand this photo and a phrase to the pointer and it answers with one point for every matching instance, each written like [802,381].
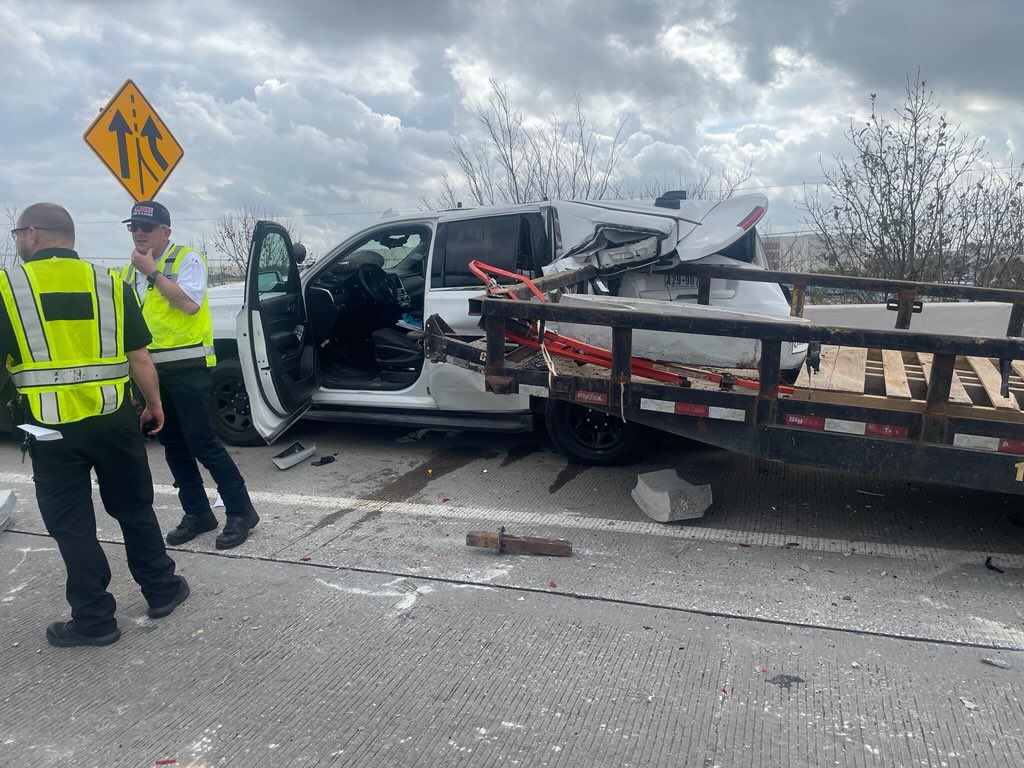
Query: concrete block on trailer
[7,502]
[666,497]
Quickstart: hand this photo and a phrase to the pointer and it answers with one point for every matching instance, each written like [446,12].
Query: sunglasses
[135,226]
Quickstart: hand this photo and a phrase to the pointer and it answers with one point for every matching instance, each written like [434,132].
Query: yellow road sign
[130,139]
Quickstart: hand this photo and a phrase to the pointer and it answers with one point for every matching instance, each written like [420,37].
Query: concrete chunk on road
[666,497]
[7,502]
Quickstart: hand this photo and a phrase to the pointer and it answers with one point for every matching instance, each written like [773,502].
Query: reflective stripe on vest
[177,336]
[180,353]
[71,367]
[42,377]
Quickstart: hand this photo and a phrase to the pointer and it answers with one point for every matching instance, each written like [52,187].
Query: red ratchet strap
[574,349]
[483,271]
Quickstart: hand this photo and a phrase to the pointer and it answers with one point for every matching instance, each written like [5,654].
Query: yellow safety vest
[177,335]
[68,320]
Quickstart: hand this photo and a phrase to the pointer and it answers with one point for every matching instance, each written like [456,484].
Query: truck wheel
[232,421]
[586,436]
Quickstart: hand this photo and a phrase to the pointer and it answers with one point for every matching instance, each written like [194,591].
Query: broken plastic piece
[293,454]
[321,461]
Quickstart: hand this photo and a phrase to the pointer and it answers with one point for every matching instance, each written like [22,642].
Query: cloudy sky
[330,112]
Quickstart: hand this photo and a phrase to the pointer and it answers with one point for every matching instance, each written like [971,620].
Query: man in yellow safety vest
[70,335]
[170,282]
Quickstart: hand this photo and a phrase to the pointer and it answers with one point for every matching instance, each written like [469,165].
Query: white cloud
[332,111]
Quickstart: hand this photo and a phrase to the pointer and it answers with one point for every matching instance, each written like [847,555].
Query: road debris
[7,502]
[988,564]
[293,454]
[665,497]
[500,542]
[996,663]
[321,461]
[968,703]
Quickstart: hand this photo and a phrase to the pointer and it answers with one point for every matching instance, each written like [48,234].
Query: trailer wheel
[586,436]
[229,405]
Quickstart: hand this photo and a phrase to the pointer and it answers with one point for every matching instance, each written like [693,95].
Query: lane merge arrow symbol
[120,126]
[151,132]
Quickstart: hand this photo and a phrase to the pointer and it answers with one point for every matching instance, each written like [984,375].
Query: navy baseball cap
[149,212]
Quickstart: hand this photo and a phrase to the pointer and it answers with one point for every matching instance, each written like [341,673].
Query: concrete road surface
[810,618]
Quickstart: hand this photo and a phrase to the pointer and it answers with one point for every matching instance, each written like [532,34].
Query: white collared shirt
[191,277]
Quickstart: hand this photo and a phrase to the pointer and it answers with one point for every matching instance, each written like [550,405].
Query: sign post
[133,143]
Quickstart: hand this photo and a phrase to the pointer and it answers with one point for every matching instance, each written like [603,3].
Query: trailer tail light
[693,409]
[986,443]
[846,427]
[752,217]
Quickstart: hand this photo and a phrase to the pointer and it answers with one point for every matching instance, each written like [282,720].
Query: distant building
[794,253]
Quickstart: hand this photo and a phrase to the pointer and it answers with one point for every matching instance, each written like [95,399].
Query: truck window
[277,272]
[507,242]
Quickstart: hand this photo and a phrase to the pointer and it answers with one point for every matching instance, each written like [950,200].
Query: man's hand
[153,416]
[144,262]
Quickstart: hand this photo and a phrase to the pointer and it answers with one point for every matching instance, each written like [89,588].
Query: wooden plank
[1018,367]
[988,375]
[957,393]
[500,542]
[895,374]
[848,374]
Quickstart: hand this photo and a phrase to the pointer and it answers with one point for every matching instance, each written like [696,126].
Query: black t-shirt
[136,332]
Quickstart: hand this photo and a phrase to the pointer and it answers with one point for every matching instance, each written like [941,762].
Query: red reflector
[1011,446]
[691,409]
[591,398]
[752,217]
[886,430]
[805,422]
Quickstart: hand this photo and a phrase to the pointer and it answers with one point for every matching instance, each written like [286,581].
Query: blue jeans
[188,436]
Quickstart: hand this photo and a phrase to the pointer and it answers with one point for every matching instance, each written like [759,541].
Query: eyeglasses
[18,230]
[135,226]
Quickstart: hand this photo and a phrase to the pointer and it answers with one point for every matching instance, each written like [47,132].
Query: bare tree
[710,182]
[893,208]
[232,237]
[990,251]
[519,162]
[8,253]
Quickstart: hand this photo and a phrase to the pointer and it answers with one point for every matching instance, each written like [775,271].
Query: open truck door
[275,347]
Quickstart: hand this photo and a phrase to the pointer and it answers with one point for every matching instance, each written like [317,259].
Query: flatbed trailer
[899,403]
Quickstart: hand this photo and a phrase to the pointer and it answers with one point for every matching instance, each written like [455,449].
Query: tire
[586,436]
[229,406]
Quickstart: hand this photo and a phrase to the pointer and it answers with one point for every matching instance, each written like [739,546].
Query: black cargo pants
[113,446]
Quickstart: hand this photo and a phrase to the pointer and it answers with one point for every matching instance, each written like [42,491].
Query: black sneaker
[64,634]
[190,527]
[165,610]
[236,529]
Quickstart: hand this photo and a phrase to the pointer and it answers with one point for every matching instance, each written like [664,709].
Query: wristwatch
[151,277]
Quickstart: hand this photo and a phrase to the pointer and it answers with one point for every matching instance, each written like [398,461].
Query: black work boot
[165,610]
[190,527]
[236,529]
[64,634]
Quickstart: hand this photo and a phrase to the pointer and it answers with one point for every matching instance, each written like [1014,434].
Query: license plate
[677,281]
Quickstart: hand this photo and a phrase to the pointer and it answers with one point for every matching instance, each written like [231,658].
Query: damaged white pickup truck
[341,340]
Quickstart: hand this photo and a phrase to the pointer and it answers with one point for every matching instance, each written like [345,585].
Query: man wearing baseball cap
[170,281]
